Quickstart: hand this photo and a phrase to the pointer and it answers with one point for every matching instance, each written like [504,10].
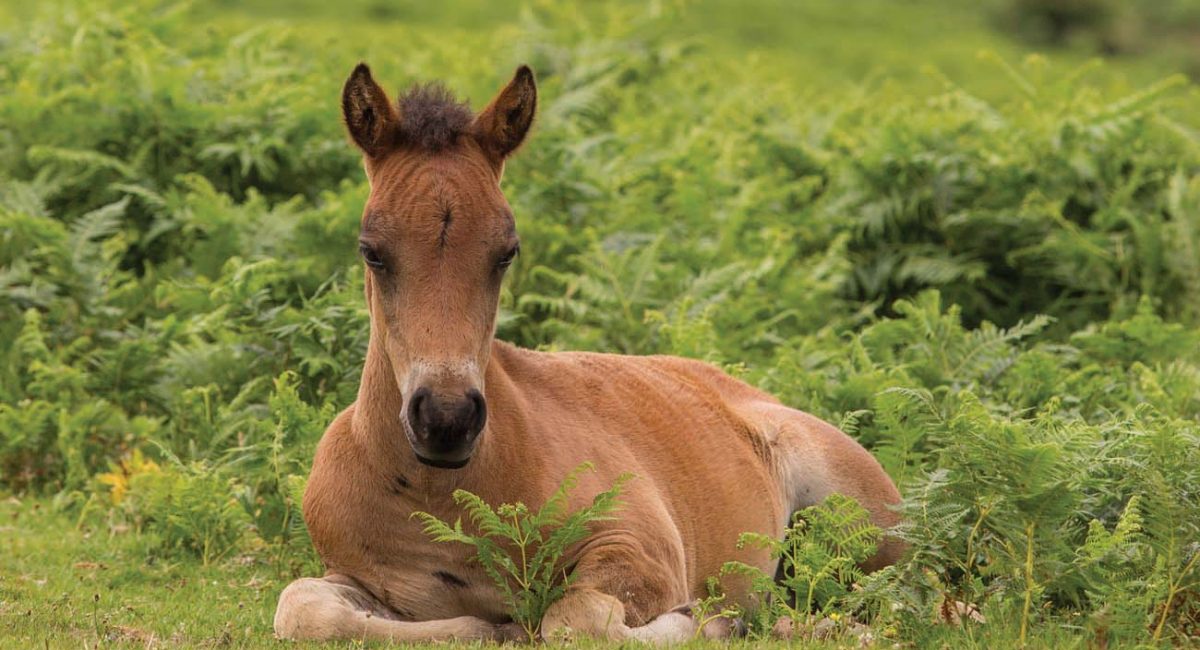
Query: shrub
[819,558]
[189,509]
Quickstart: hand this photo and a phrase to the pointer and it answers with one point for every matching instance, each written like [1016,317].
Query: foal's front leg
[624,590]
[336,607]
[592,613]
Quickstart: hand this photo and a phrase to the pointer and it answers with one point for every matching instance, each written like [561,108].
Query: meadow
[978,255]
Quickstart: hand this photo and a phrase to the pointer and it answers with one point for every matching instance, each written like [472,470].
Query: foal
[443,405]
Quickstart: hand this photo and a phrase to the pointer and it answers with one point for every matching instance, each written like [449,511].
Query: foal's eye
[370,256]
[508,258]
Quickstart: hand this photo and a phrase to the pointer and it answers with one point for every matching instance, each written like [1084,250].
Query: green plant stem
[1173,591]
[983,513]
[531,627]
[1028,582]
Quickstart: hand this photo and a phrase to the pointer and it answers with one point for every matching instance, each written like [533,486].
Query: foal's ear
[501,127]
[370,116]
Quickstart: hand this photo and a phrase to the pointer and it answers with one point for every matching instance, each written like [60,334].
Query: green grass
[65,586]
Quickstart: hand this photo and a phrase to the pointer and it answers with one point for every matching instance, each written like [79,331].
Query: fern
[819,558]
[522,550]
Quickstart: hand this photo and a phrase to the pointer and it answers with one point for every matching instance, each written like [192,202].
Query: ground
[67,586]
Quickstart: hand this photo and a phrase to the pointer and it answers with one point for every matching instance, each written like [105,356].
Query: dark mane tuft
[431,118]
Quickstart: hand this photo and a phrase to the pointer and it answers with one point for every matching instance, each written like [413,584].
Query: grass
[64,586]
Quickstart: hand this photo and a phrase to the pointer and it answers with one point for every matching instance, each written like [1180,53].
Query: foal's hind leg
[336,607]
[814,459]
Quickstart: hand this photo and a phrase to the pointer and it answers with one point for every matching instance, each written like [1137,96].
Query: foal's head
[437,237]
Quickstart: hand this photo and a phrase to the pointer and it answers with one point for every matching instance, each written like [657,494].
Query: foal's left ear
[370,116]
[501,127]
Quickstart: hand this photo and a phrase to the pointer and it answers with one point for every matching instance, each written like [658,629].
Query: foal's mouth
[441,463]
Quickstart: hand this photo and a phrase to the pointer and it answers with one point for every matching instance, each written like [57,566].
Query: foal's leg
[630,586]
[814,459]
[592,613]
[335,607]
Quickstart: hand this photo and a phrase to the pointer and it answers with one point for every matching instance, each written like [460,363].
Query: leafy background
[980,262]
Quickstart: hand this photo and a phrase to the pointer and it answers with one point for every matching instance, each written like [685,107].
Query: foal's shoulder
[337,455]
[337,495]
[337,435]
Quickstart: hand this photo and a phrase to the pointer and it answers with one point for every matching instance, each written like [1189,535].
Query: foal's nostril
[418,408]
[478,411]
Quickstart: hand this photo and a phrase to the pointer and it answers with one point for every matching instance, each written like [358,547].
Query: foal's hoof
[509,633]
[717,627]
[724,628]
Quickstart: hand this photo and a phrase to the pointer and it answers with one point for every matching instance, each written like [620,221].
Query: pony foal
[444,405]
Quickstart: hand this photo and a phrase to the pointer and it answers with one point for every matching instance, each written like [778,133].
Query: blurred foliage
[996,291]
[1167,28]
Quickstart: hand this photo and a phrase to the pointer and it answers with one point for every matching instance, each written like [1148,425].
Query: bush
[188,509]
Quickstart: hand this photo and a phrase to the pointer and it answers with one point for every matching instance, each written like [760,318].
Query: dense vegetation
[996,292]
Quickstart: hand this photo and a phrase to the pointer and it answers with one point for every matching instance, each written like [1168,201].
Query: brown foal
[444,405]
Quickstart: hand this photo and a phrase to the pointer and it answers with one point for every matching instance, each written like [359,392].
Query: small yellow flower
[118,479]
[118,484]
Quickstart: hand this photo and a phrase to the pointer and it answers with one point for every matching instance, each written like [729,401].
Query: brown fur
[713,457]
[431,118]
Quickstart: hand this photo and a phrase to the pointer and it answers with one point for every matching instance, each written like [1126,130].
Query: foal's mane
[432,118]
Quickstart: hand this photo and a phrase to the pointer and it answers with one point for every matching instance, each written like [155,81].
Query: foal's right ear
[370,116]
[501,127]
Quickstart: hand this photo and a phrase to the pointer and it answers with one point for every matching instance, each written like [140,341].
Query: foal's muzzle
[443,429]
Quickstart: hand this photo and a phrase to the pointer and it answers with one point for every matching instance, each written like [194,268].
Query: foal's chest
[422,579]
